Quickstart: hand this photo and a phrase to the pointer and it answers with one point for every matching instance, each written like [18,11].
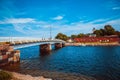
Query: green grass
[4,75]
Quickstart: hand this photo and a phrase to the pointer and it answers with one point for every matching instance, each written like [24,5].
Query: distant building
[92,35]
[97,39]
[70,40]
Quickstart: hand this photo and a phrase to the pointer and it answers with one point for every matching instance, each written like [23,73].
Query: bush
[5,75]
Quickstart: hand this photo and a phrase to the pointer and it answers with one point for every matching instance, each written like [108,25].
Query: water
[101,62]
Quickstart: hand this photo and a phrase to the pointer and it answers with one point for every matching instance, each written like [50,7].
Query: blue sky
[33,18]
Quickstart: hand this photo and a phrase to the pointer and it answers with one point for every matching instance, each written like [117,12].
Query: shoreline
[21,76]
[93,44]
[50,75]
[29,74]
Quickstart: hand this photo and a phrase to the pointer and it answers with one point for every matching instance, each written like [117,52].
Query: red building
[97,39]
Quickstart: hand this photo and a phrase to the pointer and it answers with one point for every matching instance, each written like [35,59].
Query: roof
[97,39]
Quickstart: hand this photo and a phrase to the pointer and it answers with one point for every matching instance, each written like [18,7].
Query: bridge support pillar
[45,49]
[58,45]
[63,44]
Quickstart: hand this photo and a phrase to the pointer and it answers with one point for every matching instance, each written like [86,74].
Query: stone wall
[8,55]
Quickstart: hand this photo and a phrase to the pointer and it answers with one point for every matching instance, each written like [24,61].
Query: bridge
[10,54]
[21,42]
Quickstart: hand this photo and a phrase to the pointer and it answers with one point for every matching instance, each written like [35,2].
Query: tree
[109,30]
[102,32]
[81,35]
[73,36]
[98,32]
[117,33]
[61,36]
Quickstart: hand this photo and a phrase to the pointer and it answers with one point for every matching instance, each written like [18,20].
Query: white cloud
[41,28]
[116,8]
[99,21]
[17,20]
[81,27]
[58,18]
[116,21]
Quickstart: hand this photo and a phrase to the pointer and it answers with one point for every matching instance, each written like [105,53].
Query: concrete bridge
[9,54]
[45,44]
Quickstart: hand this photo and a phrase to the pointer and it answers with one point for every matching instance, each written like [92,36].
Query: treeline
[106,31]
[62,36]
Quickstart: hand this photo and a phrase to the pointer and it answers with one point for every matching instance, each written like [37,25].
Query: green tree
[81,35]
[109,30]
[117,33]
[73,36]
[98,32]
[102,32]
[61,36]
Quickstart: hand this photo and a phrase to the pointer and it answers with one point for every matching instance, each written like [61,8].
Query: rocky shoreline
[18,76]
[47,75]
[8,75]
[56,75]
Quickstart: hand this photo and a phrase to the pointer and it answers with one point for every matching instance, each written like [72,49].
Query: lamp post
[50,33]
[10,38]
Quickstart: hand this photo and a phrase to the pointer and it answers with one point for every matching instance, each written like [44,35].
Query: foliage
[61,36]
[108,30]
[97,32]
[73,36]
[117,33]
[103,33]
[5,75]
[81,35]
[78,36]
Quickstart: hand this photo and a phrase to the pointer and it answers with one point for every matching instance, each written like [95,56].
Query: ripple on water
[101,62]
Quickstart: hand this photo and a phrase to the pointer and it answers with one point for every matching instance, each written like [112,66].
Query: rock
[28,77]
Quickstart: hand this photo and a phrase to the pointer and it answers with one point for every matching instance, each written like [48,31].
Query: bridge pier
[58,45]
[45,49]
[63,44]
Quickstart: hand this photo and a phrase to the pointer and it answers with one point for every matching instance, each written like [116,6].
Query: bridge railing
[22,40]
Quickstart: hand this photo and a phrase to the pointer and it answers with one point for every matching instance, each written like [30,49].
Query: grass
[4,75]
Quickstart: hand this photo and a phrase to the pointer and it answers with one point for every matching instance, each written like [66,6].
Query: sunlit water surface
[101,62]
